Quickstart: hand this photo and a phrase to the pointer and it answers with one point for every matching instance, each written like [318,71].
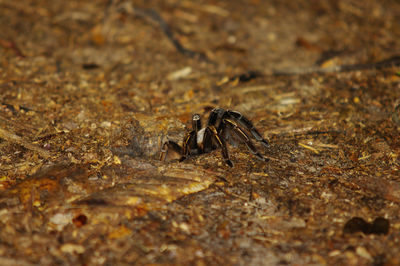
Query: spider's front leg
[190,146]
[169,145]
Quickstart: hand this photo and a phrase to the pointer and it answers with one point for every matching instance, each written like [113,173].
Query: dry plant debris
[89,90]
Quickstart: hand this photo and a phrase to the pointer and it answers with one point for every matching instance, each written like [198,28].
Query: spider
[223,126]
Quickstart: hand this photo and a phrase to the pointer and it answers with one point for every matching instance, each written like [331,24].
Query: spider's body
[223,126]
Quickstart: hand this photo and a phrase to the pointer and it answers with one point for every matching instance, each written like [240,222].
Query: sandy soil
[89,91]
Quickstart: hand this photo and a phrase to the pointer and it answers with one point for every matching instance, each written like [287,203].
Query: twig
[16,124]
[392,61]
[15,108]
[17,139]
[294,133]
[11,45]
[153,17]
[309,148]
[234,195]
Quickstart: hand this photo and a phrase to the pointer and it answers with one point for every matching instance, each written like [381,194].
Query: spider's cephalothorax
[223,126]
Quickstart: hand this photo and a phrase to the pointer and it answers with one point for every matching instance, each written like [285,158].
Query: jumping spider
[223,126]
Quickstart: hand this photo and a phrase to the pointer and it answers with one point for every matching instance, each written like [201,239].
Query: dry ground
[90,89]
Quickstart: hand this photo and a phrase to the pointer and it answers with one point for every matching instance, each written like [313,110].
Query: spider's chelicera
[223,126]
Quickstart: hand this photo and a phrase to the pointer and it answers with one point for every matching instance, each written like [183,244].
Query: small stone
[334,253]
[380,226]
[117,160]
[356,224]
[60,220]
[362,252]
[105,124]
[72,248]
[179,74]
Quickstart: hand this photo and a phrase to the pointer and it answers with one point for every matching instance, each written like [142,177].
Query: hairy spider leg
[249,126]
[169,145]
[208,144]
[190,145]
[193,142]
[244,137]
[186,146]
[216,119]
[215,116]
[220,142]
[196,122]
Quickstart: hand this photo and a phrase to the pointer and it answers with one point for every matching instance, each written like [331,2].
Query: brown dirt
[89,90]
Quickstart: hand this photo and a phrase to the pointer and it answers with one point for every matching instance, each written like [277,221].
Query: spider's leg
[190,145]
[249,126]
[244,137]
[215,117]
[220,142]
[169,145]
[186,146]
[196,122]
[193,142]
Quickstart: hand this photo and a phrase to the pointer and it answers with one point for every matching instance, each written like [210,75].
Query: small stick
[154,18]
[11,45]
[153,15]
[309,148]
[389,62]
[17,139]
